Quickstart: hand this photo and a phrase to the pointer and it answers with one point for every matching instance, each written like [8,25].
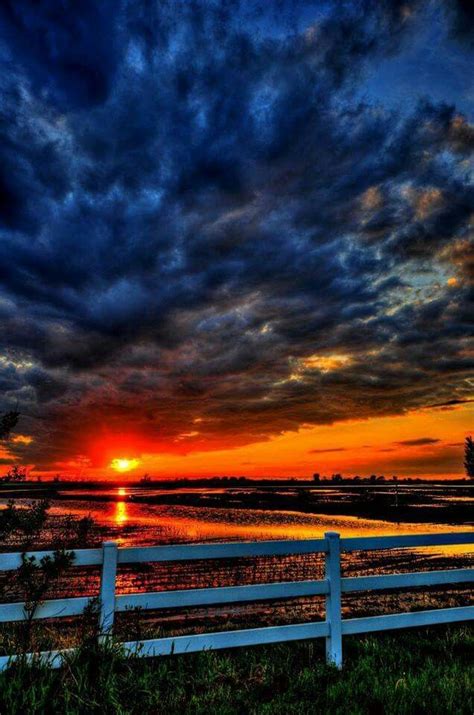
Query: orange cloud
[388,445]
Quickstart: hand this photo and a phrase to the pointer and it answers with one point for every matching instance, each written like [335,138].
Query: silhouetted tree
[8,422]
[469,457]
[16,474]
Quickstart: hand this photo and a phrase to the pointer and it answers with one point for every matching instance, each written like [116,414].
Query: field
[423,672]
[395,502]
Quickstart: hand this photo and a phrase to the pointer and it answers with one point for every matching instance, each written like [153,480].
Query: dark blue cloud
[69,57]
[198,199]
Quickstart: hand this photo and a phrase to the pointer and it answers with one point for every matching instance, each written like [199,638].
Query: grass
[424,671]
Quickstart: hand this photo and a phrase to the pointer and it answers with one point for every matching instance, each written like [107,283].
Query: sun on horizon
[123,464]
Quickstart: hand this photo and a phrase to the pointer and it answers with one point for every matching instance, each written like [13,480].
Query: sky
[236,237]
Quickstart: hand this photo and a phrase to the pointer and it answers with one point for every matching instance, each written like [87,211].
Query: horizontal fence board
[49,609]
[237,549]
[51,658]
[261,636]
[192,643]
[406,580]
[227,639]
[394,621]
[184,552]
[370,543]
[225,594]
[83,557]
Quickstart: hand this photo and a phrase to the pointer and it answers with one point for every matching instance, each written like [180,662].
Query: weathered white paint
[371,543]
[57,608]
[394,621]
[82,557]
[107,588]
[228,639]
[192,552]
[223,594]
[52,658]
[406,580]
[333,599]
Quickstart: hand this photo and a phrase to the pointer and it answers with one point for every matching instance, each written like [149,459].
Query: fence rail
[332,586]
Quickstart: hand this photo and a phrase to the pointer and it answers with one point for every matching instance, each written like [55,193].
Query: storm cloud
[214,231]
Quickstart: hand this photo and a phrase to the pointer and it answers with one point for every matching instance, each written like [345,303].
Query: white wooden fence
[333,628]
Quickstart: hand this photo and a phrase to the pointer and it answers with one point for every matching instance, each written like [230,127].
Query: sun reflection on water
[134,522]
[121,514]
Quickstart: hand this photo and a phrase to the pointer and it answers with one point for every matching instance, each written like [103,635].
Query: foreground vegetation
[425,671]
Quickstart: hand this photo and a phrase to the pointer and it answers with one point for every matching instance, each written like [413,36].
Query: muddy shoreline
[402,503]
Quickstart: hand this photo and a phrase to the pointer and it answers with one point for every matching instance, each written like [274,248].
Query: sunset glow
[423,443]
[122,464]
[230,247]
[22,439]
[326,363]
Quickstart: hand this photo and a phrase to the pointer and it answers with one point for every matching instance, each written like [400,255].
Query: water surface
[140,523]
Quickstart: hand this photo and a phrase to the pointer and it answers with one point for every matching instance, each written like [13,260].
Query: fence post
[333,599]
[107,589]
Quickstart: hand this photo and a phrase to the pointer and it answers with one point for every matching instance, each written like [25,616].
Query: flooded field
[145,524]
[139,517]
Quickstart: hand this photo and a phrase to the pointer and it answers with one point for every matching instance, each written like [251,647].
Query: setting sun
[121,464]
